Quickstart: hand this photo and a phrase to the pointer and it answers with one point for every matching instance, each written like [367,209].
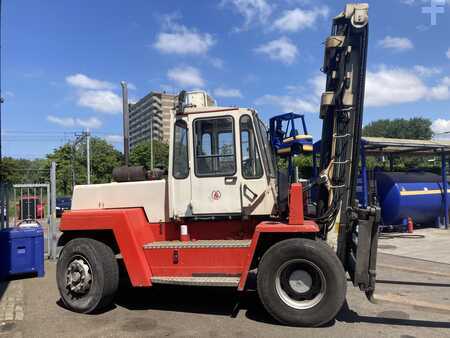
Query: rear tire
[87,275]
[301,282]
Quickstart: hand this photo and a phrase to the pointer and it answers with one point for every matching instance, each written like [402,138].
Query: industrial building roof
[382,145]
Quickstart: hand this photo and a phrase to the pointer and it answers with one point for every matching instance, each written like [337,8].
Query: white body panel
[221,195]
[149,195]
[216,194]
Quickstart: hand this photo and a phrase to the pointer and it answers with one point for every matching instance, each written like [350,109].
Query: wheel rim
[300,284]
[78,276]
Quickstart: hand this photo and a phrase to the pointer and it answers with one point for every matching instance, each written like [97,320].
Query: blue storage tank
[21,251]
[418,195]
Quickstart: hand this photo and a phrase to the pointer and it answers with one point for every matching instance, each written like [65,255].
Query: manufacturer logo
[216,195]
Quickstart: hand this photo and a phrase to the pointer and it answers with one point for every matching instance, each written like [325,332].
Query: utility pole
[126,122]
[85,135]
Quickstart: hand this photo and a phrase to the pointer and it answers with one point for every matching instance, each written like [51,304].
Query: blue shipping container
[21,251]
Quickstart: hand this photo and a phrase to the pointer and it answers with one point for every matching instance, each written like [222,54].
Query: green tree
[415,128]
[14,171]
[141,154]
[104,158]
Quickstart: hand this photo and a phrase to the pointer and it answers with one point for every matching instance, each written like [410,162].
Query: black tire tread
[323,312]
[108,267]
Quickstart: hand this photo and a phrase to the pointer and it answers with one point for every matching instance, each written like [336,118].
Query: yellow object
[284,150]
[298,137]
[421,192]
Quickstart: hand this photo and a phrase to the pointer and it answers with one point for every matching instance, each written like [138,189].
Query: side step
[198,281]
[245,243]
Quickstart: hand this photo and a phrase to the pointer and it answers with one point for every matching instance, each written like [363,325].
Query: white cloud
[288,103]
[91,123]
[318,83]
[82,81]
[281,49]
[388,86]
[102,101]
[296,100]
[252,10]
[298,19]
[441,126]
[62,121]
[441,91]
[448,53]
[70,122]
[393,86]
[179,39]
[396,43]
[427,71]
[186,77]
[227,92]
[114,138]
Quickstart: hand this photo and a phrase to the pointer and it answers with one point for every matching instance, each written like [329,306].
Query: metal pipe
[15,207]
[52,233]
[445,187]
[2,207]
[314,158]
[88,156]
[365,186]
[49,220]
[126,122]
[151,140]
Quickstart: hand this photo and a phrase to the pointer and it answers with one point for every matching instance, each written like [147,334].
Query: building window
[214,147]
[251,161]
[180,151]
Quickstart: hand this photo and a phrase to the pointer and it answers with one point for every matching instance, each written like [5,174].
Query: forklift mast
[342,114]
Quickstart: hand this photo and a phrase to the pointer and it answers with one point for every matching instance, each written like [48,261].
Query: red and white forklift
[225,209]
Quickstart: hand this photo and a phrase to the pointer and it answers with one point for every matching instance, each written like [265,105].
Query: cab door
[215,182]
[257,197]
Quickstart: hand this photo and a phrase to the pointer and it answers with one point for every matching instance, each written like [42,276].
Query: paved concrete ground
[207,312]
[430,244]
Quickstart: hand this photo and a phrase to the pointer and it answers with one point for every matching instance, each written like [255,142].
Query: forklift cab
[285,137]
[220,164]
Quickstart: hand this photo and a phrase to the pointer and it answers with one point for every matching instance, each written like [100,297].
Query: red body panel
[296,204]
[132,231]
[198,261]
[273,227]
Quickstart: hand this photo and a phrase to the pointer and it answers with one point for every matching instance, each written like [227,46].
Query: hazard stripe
[421,192]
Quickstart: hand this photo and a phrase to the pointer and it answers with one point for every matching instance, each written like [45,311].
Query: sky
[62,61]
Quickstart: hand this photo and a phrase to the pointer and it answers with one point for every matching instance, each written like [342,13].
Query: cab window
[251,161]
[214,147]
[180,150]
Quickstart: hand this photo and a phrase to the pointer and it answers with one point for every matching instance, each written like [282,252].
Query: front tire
[87,275]
[301,282]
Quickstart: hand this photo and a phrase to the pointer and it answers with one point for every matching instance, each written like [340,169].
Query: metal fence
[32,204]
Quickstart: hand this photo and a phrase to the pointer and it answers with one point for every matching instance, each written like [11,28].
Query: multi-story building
[151,112]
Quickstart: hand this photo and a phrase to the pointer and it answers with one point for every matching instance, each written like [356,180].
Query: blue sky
[62,61]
